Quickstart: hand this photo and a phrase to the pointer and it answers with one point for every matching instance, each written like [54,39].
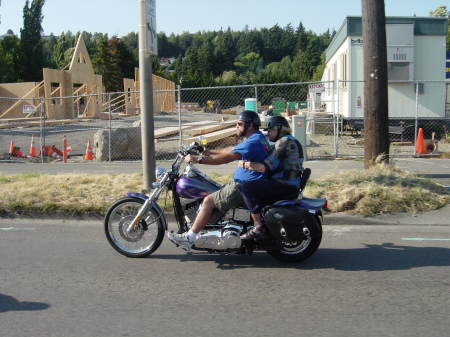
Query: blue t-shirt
[255,148]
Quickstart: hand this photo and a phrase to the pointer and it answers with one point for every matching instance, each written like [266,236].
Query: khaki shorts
[228,197]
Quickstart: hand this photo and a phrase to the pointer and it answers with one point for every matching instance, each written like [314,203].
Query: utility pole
[376,114]
[147,46]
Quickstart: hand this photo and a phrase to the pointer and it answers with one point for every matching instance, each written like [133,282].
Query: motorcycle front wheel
[140,241]
[296,251]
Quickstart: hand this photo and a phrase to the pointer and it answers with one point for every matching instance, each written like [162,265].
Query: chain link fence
[110,123]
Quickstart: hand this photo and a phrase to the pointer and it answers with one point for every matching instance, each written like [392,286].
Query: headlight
[160,172]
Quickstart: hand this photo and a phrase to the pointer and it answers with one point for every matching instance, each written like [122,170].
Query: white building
[416,49]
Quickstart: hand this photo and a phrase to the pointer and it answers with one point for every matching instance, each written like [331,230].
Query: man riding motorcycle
[255,148]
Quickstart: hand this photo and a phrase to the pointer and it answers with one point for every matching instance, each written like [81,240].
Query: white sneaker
[181,240]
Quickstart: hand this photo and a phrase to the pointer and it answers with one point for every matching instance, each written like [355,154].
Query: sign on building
[320,87]
[29,109]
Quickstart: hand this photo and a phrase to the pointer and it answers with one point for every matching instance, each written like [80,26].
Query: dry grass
[64,192]
[381,189]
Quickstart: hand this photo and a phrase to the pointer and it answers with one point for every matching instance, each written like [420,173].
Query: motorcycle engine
[225,238]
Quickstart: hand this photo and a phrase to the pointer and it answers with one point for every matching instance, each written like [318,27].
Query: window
[343,71]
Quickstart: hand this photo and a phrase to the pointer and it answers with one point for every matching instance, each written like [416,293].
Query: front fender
[155,206]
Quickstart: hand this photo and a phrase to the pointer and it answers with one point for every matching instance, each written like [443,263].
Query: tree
[32,54]
[59,52]
[224,52]
[9,59]
[106,64]
[48,46]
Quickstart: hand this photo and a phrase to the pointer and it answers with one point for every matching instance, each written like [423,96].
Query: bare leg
[204,215]
[258,231]
[257,220]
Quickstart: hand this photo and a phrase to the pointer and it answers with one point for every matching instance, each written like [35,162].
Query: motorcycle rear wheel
[141,241]
[296,251]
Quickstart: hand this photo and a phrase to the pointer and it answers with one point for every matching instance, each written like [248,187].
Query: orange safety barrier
[65,149]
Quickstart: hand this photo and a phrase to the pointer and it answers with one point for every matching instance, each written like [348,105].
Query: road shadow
[386,256]
[9,303]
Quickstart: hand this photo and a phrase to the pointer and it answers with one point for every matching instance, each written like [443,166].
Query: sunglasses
[239,123]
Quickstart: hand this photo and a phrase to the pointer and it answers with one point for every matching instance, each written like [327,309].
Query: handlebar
[194,147]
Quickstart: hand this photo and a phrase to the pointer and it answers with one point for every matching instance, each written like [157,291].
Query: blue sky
[120,17]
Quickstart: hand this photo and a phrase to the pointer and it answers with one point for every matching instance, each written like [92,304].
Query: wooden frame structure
[78,91]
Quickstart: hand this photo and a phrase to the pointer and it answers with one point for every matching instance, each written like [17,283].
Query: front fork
[148,203]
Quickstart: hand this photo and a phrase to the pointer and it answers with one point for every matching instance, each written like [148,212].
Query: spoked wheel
[139,241]
[296,251]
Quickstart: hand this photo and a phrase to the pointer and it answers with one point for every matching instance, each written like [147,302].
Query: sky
[120,17]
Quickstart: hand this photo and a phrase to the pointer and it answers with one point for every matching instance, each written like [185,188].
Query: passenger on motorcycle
[255,148]
[284,166]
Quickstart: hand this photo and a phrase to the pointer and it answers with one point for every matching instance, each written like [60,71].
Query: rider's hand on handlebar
[190,159]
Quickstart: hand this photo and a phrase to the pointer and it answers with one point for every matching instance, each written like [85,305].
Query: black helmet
[250,117]
[276,121]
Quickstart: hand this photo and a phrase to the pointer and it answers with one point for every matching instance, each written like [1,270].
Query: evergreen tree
[224,52]
[9,59]
[32,54]
[105,63]
[48,47]
[58,57]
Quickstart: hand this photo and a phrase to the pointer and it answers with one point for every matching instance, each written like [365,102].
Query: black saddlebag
[291,223]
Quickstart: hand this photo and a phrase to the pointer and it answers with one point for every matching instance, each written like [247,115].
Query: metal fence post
[416,127]
[179,115]
[42,130]
[256,96]
[110,127]
[335,120]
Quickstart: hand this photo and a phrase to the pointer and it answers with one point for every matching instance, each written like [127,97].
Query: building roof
[352,26]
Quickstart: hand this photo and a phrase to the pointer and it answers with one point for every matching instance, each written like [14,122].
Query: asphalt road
[62,278]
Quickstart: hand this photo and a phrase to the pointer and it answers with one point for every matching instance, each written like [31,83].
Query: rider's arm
[251,165]
[217,159]
[208,152]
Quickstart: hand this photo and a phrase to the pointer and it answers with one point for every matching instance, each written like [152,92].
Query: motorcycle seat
[305,202]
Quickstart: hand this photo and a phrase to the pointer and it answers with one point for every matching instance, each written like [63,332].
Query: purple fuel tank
[195,187]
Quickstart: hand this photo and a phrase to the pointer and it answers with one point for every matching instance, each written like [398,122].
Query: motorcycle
[135,224]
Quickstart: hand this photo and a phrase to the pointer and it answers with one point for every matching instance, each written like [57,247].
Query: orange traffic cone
[11,148]
[17,153]
[65,149]
[32,147]
[57,151]
[88,155]
[420,144]
[49,150]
